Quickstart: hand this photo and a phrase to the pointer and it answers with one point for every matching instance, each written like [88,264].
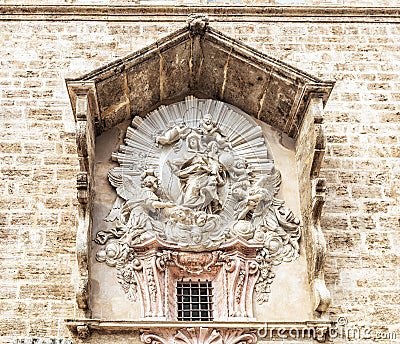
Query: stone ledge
[178,13]
[318,329]
[117,325]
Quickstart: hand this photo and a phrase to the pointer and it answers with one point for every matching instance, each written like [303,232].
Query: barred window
[194,299]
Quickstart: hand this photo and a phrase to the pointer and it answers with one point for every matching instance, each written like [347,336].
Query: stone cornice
[143,13]
[318,330]
[117,325]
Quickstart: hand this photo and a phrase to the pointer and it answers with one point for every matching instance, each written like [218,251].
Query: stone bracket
[82,95]
[317,245]
[320,139]
[322,297]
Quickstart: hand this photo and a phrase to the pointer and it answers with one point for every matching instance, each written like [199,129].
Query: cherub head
[240,164]
[201,218]
[207,119]
[207,122]
[213,147]
[196,235]
[180,122]
[171,124]
[179,214]
[150,183]
[149,180]
[239,191]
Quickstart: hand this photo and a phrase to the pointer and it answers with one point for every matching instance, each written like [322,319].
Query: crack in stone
[261,103]
[161,75]
[225,73]
[127,92]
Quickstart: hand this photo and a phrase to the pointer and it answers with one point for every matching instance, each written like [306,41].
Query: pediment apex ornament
[198,23]
[197,176]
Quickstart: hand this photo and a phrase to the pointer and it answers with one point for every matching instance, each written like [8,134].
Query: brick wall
[38,158]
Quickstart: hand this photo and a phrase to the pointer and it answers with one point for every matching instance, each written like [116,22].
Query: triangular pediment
[198,60]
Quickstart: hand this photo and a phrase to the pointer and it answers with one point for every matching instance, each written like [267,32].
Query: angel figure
[210,131]
[269,216]
[259,198]
[239,171]
[118,252]
[136,199]
[175,132]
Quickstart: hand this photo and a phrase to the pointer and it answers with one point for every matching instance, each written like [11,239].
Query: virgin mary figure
[200,177]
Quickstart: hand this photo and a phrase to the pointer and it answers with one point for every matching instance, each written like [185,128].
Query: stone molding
[310,151]
[141,13]
[173,332]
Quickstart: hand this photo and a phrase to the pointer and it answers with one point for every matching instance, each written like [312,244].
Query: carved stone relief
[196,177]
[200,335]
[194,212]
[197,189]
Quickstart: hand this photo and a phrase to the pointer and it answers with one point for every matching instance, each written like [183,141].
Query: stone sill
[118,325]
[318,330]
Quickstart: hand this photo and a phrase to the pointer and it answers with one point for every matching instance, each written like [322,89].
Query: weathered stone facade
[41,47]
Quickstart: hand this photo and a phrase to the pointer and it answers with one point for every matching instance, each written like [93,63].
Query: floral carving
[198,335]
[202,335]
[190,263]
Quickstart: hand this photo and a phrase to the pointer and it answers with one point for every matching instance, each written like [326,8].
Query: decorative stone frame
[221,267]
[112,94]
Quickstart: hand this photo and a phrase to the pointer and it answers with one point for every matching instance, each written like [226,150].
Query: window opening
[194,299]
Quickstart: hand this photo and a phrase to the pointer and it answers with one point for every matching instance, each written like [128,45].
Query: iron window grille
[195,300]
